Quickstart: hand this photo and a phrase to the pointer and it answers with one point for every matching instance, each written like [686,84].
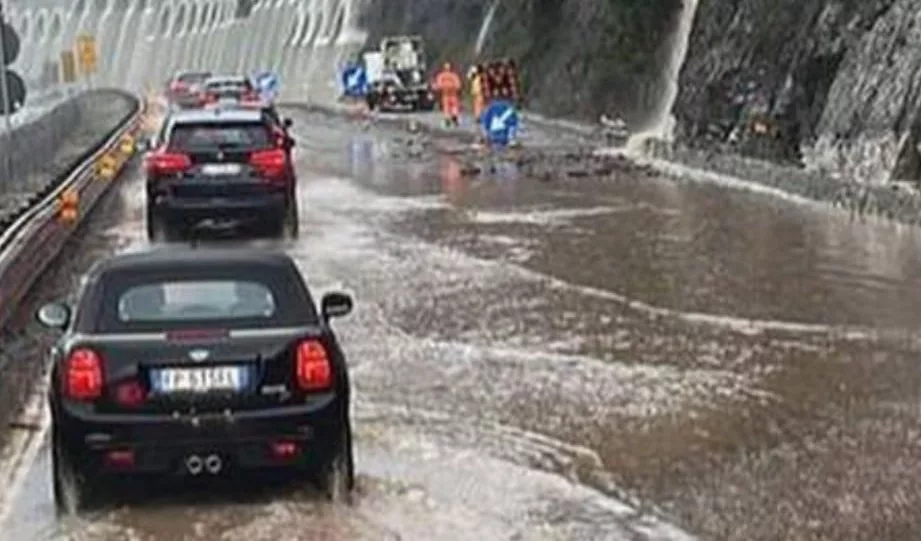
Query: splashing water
[662,123]
[484,29]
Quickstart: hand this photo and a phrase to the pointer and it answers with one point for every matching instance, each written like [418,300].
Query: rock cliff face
[839,80]
[578,58]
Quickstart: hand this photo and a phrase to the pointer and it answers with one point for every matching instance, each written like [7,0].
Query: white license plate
[219,169]
[199,380]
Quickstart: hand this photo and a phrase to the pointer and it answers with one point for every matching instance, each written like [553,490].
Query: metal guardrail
[37,235]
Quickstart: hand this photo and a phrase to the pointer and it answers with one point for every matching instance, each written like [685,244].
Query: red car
[228,88]
[184,88]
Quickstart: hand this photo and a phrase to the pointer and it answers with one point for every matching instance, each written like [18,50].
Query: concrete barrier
[34,156]
[33,239]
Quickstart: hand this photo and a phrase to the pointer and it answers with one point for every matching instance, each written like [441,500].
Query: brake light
[178,86]
[270,164]
[314,371]
[83,375]
[285,450]
[130,394]
[166,163]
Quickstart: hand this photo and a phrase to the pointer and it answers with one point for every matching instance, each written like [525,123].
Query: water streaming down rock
[661,124]
[838,80]
[484,29]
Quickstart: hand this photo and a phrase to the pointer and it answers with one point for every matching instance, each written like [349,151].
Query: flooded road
[616,358]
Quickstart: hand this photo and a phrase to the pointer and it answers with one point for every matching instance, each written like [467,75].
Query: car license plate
[220,169]
[199,380]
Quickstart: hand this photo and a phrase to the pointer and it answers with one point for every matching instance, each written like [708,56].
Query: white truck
[397,75]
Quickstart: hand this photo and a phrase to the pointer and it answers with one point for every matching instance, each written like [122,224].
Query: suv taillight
[312,366]
[166,163]
[270,164]
[177,86]
[82,375]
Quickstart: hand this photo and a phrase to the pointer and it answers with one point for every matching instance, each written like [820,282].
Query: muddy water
[530,355]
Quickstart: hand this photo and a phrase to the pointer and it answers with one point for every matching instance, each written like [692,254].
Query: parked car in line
[184,88]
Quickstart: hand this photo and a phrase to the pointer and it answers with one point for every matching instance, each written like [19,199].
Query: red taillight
[131,394]
[120,459]
[178,86]
[166,163]
[83,375]
[314,371]
[270,164]
[285,450]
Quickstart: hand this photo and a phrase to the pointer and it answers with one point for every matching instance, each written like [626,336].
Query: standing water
[662,123]
[484,29]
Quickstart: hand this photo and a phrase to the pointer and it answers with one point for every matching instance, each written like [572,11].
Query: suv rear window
[219,135]
[193,77]
[195,301]
[228,84]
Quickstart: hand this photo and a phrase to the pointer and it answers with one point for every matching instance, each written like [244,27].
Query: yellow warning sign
[68,73]
[87,53]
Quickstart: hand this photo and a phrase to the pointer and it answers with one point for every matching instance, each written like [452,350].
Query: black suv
[220,169]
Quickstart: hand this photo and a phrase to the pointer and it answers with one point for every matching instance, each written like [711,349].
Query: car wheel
[337,480]
[158,230]
[73,493]
[293,222]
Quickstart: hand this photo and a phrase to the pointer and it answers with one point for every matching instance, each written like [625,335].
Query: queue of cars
[222,166]
[199,362]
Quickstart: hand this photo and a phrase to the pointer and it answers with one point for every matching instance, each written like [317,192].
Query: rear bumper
[161,443]
[264,208]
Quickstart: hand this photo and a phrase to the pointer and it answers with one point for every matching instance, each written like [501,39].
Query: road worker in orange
[449,85]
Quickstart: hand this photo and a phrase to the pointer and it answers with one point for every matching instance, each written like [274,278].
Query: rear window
[196,301]
[239,296]
[222,135]
[228,85]
[193,78]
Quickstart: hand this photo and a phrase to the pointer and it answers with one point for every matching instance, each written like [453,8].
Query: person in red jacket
[449,85]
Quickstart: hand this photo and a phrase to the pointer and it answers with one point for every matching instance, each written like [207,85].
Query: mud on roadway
[539,353]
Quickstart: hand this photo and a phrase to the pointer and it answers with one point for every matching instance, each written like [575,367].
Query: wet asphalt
[564,357]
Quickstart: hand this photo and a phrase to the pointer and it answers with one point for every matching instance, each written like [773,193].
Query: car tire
[73,493]
[337,480]
[158,229]
[292,224]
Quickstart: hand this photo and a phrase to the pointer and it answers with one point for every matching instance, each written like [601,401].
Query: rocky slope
[832,83]
[838,79]
[579,59]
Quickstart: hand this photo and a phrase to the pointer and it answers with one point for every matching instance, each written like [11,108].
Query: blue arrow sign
[500,122]
[268,85]
[355,81]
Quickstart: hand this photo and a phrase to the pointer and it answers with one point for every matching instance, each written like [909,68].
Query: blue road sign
[355,81]
[268,85]
[500,123]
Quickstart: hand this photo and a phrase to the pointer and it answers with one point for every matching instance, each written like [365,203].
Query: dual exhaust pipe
[195,464]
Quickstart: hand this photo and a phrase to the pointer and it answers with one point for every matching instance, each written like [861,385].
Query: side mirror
[335,305]
[288,122]
[54,315]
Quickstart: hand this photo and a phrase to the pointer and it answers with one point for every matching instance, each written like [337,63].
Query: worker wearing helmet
[449,85]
